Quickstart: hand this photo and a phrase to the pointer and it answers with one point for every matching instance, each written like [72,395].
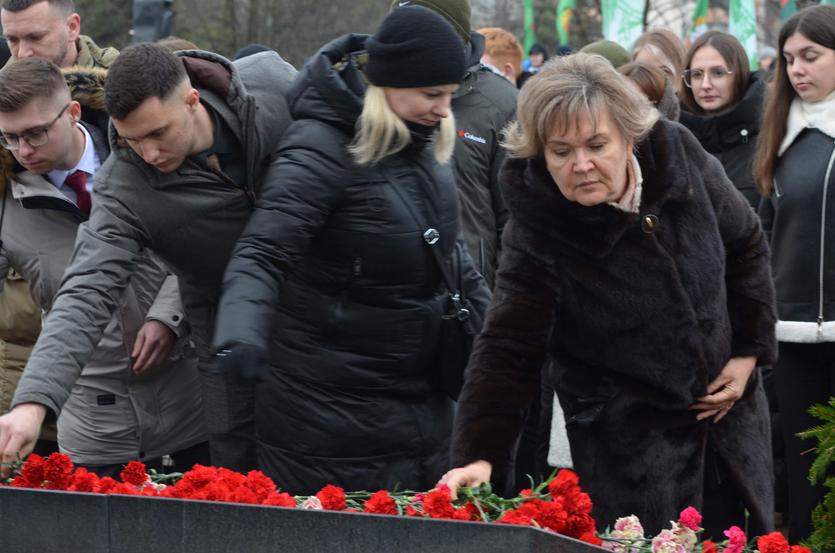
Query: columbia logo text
[470,136]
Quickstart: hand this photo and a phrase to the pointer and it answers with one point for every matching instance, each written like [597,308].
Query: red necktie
[77,182]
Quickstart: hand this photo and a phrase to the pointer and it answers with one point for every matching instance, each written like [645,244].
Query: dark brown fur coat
[635,322]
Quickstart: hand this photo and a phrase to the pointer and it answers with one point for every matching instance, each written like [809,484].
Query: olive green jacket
[91,55]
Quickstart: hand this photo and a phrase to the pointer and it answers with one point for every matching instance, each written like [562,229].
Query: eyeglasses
[695,77]
[34,137]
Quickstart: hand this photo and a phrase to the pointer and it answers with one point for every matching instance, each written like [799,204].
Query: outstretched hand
[472,475]
[19,431]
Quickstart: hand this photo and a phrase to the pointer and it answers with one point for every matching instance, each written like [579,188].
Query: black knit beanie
[414,47]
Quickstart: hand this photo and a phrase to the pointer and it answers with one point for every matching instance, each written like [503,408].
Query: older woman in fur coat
[634,266]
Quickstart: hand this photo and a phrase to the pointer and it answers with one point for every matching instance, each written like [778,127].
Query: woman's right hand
[472,475]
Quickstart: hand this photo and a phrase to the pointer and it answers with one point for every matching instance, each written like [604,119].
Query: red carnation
[199,477]
[242,494]
[260,484]
[515,516]
[106,485]
[800,549]
[467,512]
[591,537]
[438,504]
[230,478]
[214,492]
[84,481]
[332,498]
[57,471]
[709,547]
[381,503]
[564,482]
[775,542]
[32,473]
[280,499]
[134,473]
[124,489]
[552,516]
[412,512]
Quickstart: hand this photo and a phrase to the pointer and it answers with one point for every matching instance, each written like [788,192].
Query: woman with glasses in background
[795,169]
[721,102]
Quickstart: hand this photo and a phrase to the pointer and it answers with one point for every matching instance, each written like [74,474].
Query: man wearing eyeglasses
[48,29]
[135,397]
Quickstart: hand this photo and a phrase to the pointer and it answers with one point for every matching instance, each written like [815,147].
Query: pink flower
[666,542]
[736,540]
[312,503]
[690,518]
[685,536]
[628,528]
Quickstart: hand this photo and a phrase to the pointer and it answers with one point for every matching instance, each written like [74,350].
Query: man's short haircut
[503,47]
[65,6]
[25,80]
[140,72]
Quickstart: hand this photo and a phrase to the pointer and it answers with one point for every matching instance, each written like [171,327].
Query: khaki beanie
[457,12]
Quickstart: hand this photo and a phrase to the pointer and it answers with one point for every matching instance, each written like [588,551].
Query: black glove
[241,360]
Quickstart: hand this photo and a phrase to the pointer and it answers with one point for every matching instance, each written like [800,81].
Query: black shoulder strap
[431,235]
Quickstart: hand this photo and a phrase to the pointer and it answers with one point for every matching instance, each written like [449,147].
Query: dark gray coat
[636,321]
[190,218]
[483,106]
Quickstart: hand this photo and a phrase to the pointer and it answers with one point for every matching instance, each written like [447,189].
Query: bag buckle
[431,236]
[459,311]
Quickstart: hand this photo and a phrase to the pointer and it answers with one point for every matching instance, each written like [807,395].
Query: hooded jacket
[108,414]
[91,56]
[19,316]
[190,217]
[731,136]
[637,314]
[332,274]
[483,105]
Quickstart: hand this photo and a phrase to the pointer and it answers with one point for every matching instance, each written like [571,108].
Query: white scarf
[802,115]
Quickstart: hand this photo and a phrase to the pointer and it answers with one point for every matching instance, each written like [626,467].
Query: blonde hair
[381,133]
[567,88]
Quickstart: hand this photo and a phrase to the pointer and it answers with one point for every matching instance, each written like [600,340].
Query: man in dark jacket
[191,137]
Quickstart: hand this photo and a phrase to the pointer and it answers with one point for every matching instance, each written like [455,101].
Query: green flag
[565,10]
[787,9]
[623,21]
[743,25]
[530,35]
[698,22]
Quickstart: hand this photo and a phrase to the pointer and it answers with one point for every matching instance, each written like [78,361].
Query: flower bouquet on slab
[683,537]
[557,505]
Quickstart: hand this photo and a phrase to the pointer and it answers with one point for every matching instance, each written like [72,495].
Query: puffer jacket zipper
[823,243]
